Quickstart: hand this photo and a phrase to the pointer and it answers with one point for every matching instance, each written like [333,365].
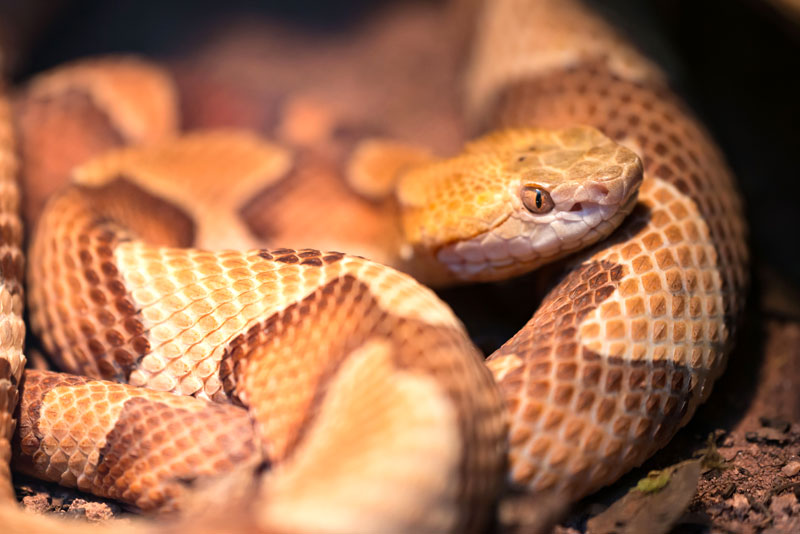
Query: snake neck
[421,263]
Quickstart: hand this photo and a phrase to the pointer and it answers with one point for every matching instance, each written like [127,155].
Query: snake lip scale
[194,351]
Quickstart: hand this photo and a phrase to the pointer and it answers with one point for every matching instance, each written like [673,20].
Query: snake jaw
[583,214]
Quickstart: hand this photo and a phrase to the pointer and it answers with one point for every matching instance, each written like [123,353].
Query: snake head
[516,199]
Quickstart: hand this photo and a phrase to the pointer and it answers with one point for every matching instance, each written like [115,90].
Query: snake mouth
[519,243]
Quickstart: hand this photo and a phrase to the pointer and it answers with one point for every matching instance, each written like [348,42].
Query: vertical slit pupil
[538,199]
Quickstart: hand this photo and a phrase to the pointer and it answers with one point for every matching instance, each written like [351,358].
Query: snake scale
[348,397]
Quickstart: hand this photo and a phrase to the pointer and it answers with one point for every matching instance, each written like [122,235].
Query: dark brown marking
[659,379]
[652,405]
[165,223]
[114,338]
[289,258]
[124,358]
[678,380]
[140,437]
[55,134]
[146,433]
[621,426]
[613,380]
[637,379]
[563,394]
[594,383]
[354,317]
[566,371]
[533,411]
[109,325]
[606,409]
[259,212]
[33,387]
[538,389]
[591,375]
[333,257]
[5,372]
[12,269]
[632,401]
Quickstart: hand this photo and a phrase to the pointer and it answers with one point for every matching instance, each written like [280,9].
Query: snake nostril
[576,207]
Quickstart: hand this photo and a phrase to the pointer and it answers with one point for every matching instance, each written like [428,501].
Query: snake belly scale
[338,392]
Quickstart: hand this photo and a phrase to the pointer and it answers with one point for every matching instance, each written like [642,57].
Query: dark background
[737,62]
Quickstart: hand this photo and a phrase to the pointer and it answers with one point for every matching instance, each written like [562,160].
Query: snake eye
[537,200]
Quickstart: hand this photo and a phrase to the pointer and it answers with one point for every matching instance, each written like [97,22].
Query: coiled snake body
[364,395]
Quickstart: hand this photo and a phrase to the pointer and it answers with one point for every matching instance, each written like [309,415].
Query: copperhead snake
[368,408]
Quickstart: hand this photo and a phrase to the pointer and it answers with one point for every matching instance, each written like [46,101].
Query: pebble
[92,511]
[791,469]
[740,505]
[38,503]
